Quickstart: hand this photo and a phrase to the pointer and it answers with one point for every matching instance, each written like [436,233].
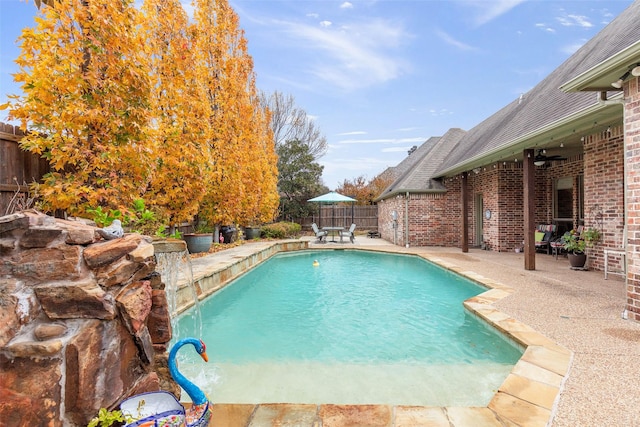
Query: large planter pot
[577,261]
[251,233]
[197,243]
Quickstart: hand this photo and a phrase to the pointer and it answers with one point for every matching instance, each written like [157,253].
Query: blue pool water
[361,327]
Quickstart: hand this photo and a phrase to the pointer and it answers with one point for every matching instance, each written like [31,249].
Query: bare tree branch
[290,123]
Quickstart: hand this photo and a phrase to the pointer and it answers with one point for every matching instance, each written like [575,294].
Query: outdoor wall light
[632,70]
[618,84]
[476,170]
[539,162]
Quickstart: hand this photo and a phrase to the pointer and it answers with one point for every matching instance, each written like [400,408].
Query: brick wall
[632,151]
[385,222]
[434,219]
[604,190]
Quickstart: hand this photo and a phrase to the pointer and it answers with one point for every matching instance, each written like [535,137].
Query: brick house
[554,156]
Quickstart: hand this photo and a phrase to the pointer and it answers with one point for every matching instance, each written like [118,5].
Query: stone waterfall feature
[84,322]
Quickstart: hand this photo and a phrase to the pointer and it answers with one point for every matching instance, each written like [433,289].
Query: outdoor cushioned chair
[348,233]
[319,234]
[543,236]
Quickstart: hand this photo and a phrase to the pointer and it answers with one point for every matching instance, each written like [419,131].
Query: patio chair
[348,233]
[543,236]
[319,234]
[557,245]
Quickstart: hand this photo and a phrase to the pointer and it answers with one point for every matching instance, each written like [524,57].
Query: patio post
[464,193]
[529,182]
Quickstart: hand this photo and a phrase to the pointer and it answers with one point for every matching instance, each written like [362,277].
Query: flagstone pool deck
[580,366]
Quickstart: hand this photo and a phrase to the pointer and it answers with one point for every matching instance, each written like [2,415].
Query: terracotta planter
[577,260]
[197,243]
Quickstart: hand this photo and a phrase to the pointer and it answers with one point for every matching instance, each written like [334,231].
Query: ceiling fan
[542,157]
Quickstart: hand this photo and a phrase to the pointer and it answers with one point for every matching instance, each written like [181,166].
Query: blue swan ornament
[161,408]
[199,414]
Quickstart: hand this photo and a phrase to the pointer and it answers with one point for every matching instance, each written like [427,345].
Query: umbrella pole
[352,212]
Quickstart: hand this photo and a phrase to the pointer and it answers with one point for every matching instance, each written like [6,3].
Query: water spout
[174,266]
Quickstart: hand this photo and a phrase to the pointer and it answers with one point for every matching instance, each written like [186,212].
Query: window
[563,198]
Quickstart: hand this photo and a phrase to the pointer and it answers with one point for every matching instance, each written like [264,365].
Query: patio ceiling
[568,131]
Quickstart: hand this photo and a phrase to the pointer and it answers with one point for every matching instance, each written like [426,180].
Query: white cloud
[419,139]
[353,56]
[453,42]
[356,132]
[325,24]
[545,27]
[440,112]
[574,21]
[346,5]
[313,15]
[396,149]
[490,10]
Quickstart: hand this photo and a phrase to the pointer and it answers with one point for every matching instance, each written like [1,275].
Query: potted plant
[576,243]
[201,239]
[252,232]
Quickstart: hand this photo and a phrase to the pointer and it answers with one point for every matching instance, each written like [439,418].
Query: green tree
[299,179]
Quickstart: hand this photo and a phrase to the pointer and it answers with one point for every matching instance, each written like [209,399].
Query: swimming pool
[361,327]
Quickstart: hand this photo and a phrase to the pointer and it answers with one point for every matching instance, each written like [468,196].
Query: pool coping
[528,396]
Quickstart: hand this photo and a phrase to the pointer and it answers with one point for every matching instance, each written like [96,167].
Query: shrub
[281,230]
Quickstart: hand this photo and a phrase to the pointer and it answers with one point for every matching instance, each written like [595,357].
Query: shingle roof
[418,168]
[546,103]
[405,165]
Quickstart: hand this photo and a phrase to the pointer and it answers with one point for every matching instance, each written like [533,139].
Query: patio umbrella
[333,198]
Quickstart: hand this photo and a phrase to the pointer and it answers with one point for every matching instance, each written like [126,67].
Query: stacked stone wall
[84,322]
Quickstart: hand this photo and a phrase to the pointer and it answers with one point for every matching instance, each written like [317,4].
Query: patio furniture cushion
[543,236]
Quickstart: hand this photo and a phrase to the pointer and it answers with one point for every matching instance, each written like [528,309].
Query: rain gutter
[407,191]
[620,60]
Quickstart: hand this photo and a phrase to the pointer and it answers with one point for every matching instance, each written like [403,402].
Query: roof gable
[418,172]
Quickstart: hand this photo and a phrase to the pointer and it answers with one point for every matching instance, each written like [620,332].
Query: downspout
[406,218]
[602,100]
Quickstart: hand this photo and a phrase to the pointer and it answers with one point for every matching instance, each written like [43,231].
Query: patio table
[333,231]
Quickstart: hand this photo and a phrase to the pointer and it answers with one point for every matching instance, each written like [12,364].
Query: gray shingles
[418,168]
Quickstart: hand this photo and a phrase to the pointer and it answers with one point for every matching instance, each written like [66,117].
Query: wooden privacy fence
[17,169]
[365,217]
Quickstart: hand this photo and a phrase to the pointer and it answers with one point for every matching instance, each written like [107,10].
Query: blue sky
[379,76]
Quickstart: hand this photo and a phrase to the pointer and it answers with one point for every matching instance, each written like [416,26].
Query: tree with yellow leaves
[177,131]
[243,178]
[86,91]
